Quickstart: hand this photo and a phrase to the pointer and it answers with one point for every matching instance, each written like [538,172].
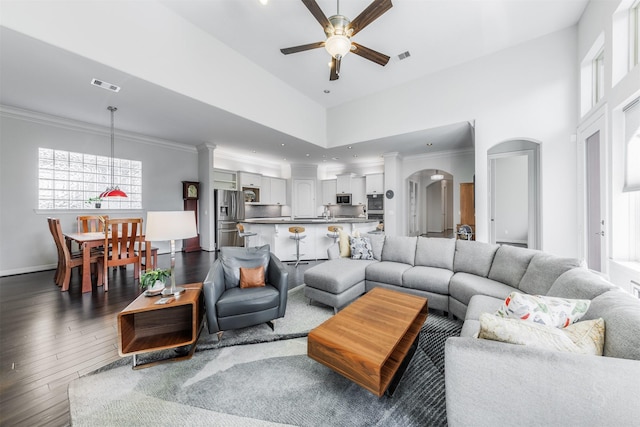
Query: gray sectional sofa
[491,382]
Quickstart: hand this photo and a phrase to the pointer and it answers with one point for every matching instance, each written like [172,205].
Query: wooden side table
[145,326]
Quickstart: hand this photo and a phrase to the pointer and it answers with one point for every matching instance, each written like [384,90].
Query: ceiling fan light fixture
[338,45]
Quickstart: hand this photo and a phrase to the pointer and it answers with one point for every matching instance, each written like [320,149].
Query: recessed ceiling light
[326,91]
[429,144]
[307,154]
[355,155]
[335,158]
[282,144]
[349,147]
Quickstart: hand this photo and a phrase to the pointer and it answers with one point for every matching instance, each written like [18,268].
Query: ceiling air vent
[105,85]
[404,55]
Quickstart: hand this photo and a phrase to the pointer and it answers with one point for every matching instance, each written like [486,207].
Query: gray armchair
[231,307]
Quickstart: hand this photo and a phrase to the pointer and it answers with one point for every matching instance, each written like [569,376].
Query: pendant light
[437,176]
[113,190]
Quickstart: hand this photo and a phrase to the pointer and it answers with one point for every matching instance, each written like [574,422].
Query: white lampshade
[338,45]
[170,225]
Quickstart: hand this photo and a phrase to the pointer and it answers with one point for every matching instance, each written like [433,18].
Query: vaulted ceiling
[438,34]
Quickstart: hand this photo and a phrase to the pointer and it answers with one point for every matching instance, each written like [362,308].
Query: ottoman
[336,282]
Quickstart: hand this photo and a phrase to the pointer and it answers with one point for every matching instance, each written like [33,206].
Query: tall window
[634,33]
[632,175]
[598,77]
[68,180]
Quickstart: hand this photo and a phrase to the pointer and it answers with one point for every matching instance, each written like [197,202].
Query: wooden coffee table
[372,340]
[145,326]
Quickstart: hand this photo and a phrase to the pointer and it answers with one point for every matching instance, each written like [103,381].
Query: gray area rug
[270,383]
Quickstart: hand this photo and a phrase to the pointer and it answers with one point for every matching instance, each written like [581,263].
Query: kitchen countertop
[308,221]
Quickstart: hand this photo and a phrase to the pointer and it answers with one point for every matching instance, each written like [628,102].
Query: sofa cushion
[509,264]
[435,252]
[583,337]
[386,272]
[399,249]
[377,243]
[463,286]
[621,314]
[236,301]
[544,310]
[233,258]
[337,275]
[579,283]
[360,248]
[543,270]
[429,279]
[473,257]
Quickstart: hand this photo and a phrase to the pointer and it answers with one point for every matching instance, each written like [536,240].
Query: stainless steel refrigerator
[229,211]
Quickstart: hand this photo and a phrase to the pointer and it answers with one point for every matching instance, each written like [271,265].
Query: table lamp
[171,225]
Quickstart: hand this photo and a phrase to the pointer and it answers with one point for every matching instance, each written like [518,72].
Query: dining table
[87,241]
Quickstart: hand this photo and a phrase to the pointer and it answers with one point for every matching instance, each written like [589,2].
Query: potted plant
[96,200]
[149,278]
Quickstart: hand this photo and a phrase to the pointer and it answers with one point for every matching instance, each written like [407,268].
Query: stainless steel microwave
[343,199]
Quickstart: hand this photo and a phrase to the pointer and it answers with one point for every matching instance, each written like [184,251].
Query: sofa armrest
[279,279]
[488,382]
[213,287]
[333,251]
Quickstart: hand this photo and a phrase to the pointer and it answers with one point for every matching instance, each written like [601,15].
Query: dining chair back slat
[91,223]
[121,238]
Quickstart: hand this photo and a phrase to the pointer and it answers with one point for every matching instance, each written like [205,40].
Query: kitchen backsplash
[342,211]
[262,211]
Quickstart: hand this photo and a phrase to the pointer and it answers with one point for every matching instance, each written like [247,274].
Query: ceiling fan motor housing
[339,24]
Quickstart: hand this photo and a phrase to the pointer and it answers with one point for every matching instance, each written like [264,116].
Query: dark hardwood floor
[49,338]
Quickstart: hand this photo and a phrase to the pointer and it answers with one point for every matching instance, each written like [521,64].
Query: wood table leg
[86,268]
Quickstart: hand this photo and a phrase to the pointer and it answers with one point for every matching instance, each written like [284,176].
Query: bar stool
[297,236]
[334,232]
[245,234]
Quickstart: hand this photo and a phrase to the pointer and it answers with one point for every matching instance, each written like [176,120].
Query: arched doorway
[514,193]
[430,203]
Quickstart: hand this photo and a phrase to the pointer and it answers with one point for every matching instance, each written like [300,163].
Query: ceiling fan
[339,31]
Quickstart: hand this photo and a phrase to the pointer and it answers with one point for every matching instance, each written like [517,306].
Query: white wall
[528,91]
[25,241]
[147,40]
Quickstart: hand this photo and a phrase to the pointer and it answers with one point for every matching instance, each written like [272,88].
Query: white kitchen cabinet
[304,198]
[375,183]
[358,195]
[278,191]
[247,179]
[329,187]
[344,183]
[265,191]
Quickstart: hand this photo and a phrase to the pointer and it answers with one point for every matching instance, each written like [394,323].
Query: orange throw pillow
[252,277]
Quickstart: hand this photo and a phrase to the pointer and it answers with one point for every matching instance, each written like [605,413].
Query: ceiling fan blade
[370,14]
[370,54]
[335,69]
[318,14]
[301,48]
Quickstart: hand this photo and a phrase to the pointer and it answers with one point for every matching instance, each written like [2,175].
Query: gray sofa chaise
[491,382]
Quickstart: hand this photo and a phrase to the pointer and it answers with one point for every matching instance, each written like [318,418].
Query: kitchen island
[275,232]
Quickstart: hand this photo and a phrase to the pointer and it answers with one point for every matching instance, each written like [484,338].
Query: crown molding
[79,126]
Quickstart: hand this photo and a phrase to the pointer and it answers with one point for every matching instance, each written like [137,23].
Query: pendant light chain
[113,110]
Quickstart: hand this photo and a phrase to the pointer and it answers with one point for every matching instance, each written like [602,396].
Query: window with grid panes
[67,180]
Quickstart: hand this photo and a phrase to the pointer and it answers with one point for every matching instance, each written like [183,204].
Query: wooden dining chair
[121,238]
[91,223]
[67,259]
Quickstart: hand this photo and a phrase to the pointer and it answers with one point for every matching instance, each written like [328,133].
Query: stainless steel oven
[375,202]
